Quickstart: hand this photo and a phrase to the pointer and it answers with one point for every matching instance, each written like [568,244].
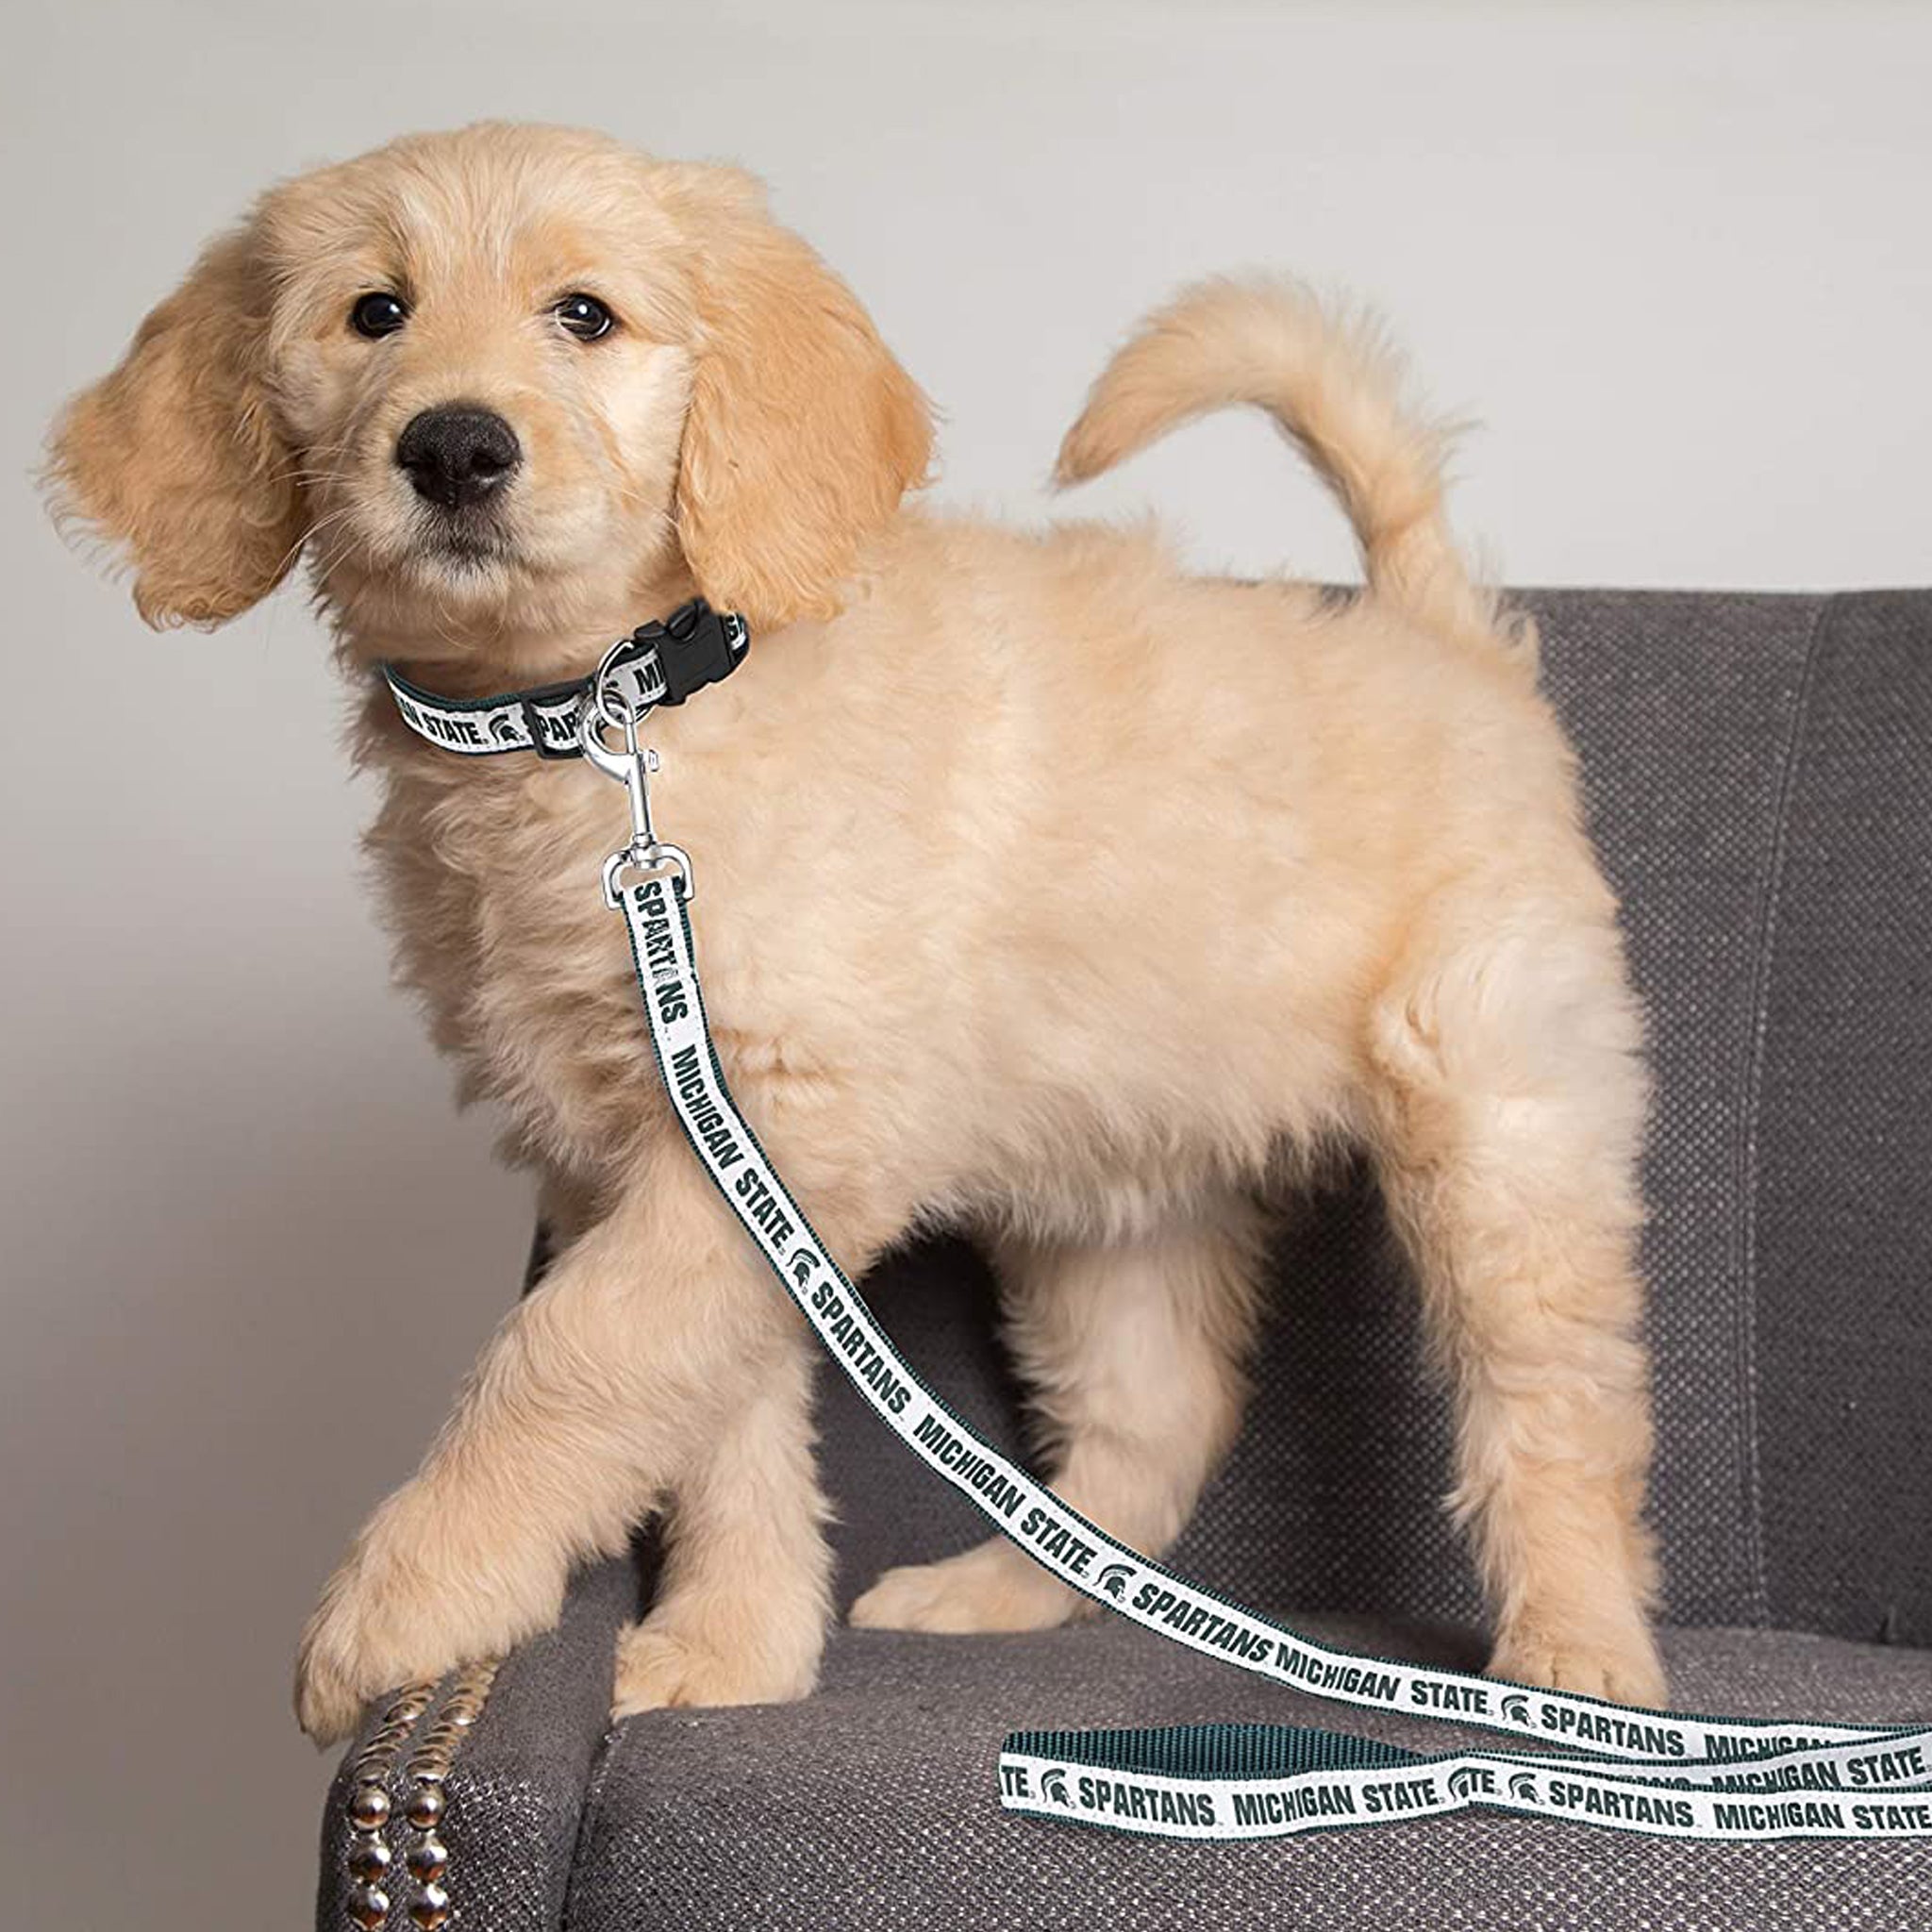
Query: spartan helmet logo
[1054,1783]
[1516,1709]
[1115,1579]
[502,729]
[1465,1782]
[1523,1786]
[802,1263]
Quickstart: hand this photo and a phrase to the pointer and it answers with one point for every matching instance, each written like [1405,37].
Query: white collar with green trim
[661,663]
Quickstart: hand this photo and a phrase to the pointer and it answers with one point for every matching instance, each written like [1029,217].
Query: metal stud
[428,1767]
[369,1907]
[429,1908]
[428,1859]
[368,1859]
[425,1806]
[369,1807]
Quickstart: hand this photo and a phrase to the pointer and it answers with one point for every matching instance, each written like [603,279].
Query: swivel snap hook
[645,852]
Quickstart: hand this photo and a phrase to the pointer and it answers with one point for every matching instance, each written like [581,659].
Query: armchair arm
[469,1793]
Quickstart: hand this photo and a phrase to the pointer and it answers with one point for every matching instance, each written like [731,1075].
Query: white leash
[1650,1771]
[1654,1772]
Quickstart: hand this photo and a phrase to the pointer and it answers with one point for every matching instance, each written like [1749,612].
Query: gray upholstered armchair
[1759,770]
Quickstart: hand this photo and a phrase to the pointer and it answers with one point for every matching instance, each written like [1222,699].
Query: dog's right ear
[174,458]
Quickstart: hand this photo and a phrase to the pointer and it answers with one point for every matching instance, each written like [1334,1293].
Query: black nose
[457,454]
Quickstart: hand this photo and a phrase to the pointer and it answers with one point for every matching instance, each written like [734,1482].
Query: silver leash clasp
[645,852]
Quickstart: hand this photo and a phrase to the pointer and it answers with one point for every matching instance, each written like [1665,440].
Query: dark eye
[584,317]
[378,314]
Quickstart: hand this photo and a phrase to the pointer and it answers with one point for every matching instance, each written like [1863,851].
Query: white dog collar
[659,663]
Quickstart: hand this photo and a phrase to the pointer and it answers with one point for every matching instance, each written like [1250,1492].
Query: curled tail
[1335,387]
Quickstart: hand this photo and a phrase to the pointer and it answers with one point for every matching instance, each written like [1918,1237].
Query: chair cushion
[873,1804]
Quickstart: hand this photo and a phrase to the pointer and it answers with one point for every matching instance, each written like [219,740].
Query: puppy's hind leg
[1131,1351]
[1512,1109]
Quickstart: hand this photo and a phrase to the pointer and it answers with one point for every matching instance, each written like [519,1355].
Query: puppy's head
[492,381]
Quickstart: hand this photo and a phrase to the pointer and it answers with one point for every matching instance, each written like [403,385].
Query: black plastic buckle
[696,646]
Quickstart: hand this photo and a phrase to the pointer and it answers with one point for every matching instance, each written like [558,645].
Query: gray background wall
[1672,255]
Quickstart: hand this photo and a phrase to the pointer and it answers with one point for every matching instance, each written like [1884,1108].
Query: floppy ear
[803,432]
[173,456]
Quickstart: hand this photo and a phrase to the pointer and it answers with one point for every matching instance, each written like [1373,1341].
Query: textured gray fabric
[1683,708]
[1842,1135]
[873,1804]
[1758,777]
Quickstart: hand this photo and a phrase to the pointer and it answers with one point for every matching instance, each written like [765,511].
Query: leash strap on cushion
[659,663]
[1650,1771]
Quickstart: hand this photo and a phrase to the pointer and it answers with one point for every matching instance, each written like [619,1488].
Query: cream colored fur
[1044,889]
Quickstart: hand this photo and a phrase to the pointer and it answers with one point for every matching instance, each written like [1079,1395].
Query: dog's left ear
[173,456]
[803,432]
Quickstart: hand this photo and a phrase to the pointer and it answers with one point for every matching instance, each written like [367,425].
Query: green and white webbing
[1650,1771]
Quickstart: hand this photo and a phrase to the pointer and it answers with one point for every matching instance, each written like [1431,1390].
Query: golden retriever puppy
[1044,891]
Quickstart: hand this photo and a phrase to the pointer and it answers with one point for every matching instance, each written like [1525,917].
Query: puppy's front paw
[994,1587]
[404,1609]
[354,1649]
[1624,1667]
[329,1699]
[666,1661]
